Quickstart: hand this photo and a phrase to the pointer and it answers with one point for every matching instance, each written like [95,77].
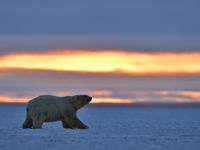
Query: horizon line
[130,105]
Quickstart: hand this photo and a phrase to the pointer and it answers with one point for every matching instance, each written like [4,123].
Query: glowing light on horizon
[192,94]
[174,99]
[111,100]
[9,99]
[137,96]
[105,61]
[100,93]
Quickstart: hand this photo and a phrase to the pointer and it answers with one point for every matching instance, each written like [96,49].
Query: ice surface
[109,128]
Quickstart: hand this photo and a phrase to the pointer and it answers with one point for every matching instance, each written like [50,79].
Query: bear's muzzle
[89,99]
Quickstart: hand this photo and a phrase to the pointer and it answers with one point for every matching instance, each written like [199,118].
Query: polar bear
[48,108]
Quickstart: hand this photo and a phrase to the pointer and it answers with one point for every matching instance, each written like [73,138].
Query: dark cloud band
[140,43]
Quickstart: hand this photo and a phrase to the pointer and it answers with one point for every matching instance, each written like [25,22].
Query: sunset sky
[115,51]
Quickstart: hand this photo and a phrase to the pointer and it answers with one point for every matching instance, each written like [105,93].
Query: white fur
[47,108]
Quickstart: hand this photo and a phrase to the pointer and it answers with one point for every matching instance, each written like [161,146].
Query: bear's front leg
[74,122]
[65,124]
[69,123]
[80,125]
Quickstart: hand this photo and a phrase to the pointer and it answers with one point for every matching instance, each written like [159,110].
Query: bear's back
[45,100]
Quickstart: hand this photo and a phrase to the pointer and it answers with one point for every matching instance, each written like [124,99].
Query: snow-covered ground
[109,128]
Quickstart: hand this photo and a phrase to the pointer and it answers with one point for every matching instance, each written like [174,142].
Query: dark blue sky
[110,17]
[133,25]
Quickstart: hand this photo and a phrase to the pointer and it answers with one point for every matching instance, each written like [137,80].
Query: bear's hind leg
[37,121]
[37,124]
[27,123]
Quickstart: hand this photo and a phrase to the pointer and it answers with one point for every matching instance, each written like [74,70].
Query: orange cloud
[100,93]
[169,96]
[139,96]
[192,94]
[106,61]
[174,99]
[8,99]
[111,100]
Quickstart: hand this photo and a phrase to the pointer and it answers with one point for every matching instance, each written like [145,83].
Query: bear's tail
[28,122]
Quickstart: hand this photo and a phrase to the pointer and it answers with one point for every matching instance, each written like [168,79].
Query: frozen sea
[117,128]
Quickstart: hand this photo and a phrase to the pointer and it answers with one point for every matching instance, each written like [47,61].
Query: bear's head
[78,101]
